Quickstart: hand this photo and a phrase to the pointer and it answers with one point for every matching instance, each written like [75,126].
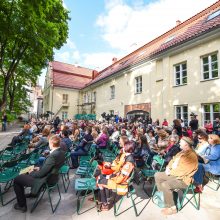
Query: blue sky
[102,29]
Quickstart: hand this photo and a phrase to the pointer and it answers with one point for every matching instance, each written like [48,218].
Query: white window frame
[181,74]
[138,85]
[181,112]
[210,66]
[212,118]
[112,92]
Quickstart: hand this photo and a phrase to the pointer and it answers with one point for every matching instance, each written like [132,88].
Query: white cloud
[124,25]
[98,61]
[63,56]
[70,44]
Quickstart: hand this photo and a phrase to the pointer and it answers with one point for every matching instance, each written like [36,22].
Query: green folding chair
[8,173]
[84,187]
[49,188]
[189,189]
[215,179]
[149,173]
[130,194]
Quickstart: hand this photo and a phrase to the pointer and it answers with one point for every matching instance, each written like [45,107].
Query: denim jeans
[198,176]
[75,156]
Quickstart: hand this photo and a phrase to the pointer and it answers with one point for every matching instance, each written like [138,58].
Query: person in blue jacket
[211,161]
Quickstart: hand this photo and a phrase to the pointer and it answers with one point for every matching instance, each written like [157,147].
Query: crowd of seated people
[188,153]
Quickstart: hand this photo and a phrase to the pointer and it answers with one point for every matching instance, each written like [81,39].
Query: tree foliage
[30,30]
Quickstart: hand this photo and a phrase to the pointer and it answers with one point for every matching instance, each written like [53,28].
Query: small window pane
[206,75]
[206,108]
[216,115]
[207,116]
[214,57]
[205,60]
[177,75]
[178,82]
[214,66]
[216,107]
[214,73]
[184,73]
[184,80]
[177,68]
[205,68]
[184,66]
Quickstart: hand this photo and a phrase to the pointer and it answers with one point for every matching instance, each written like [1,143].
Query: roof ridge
[71,64]
[183,24]
[75,74]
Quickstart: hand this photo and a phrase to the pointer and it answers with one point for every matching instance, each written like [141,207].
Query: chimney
[94,74]
[114,59]
[178,22]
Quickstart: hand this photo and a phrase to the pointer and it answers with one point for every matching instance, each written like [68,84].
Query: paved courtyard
[209,207]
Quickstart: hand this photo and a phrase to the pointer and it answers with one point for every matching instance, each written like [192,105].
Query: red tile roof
[186,31]
[70,76]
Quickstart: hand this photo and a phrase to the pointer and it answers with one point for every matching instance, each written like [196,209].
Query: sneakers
[169,211]
[22,209]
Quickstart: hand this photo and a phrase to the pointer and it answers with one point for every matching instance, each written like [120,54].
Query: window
[111,112]
[210,66]
[112,90]
[84,98]
[138,84]
[211,112]
[65,98]
[213,15]
[94,96]
[180,74]
[181,112]
[64,115]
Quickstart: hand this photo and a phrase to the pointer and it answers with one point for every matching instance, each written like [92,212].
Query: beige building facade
[170,77]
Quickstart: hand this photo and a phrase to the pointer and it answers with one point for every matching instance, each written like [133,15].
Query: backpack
[158,199]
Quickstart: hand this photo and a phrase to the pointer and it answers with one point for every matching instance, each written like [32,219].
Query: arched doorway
[137,114]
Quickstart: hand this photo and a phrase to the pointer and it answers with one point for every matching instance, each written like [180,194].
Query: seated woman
[142,151]
[106,185]
[102,139]
[42,140]
[172,149]
[203,143]
[75,133]
[162,141]
[24,133]
[211,161]
[81,149]
[178,174]
[108,168]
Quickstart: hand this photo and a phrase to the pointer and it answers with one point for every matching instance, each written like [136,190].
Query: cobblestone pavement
[209,207]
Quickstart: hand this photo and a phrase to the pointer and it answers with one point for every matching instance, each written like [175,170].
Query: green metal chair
[64,172]
[131,192]
[7,154]
[40,195]
[9,172]
[189,189]
[149,173]
[86,186]
[215,179]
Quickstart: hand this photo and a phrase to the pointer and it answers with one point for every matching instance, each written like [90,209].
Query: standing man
[39,176]
[194,123]
[4,122]
[56,123]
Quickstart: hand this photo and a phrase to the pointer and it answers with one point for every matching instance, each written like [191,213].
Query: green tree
[30,30]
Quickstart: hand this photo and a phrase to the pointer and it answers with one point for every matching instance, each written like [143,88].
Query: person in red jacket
[165,122]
